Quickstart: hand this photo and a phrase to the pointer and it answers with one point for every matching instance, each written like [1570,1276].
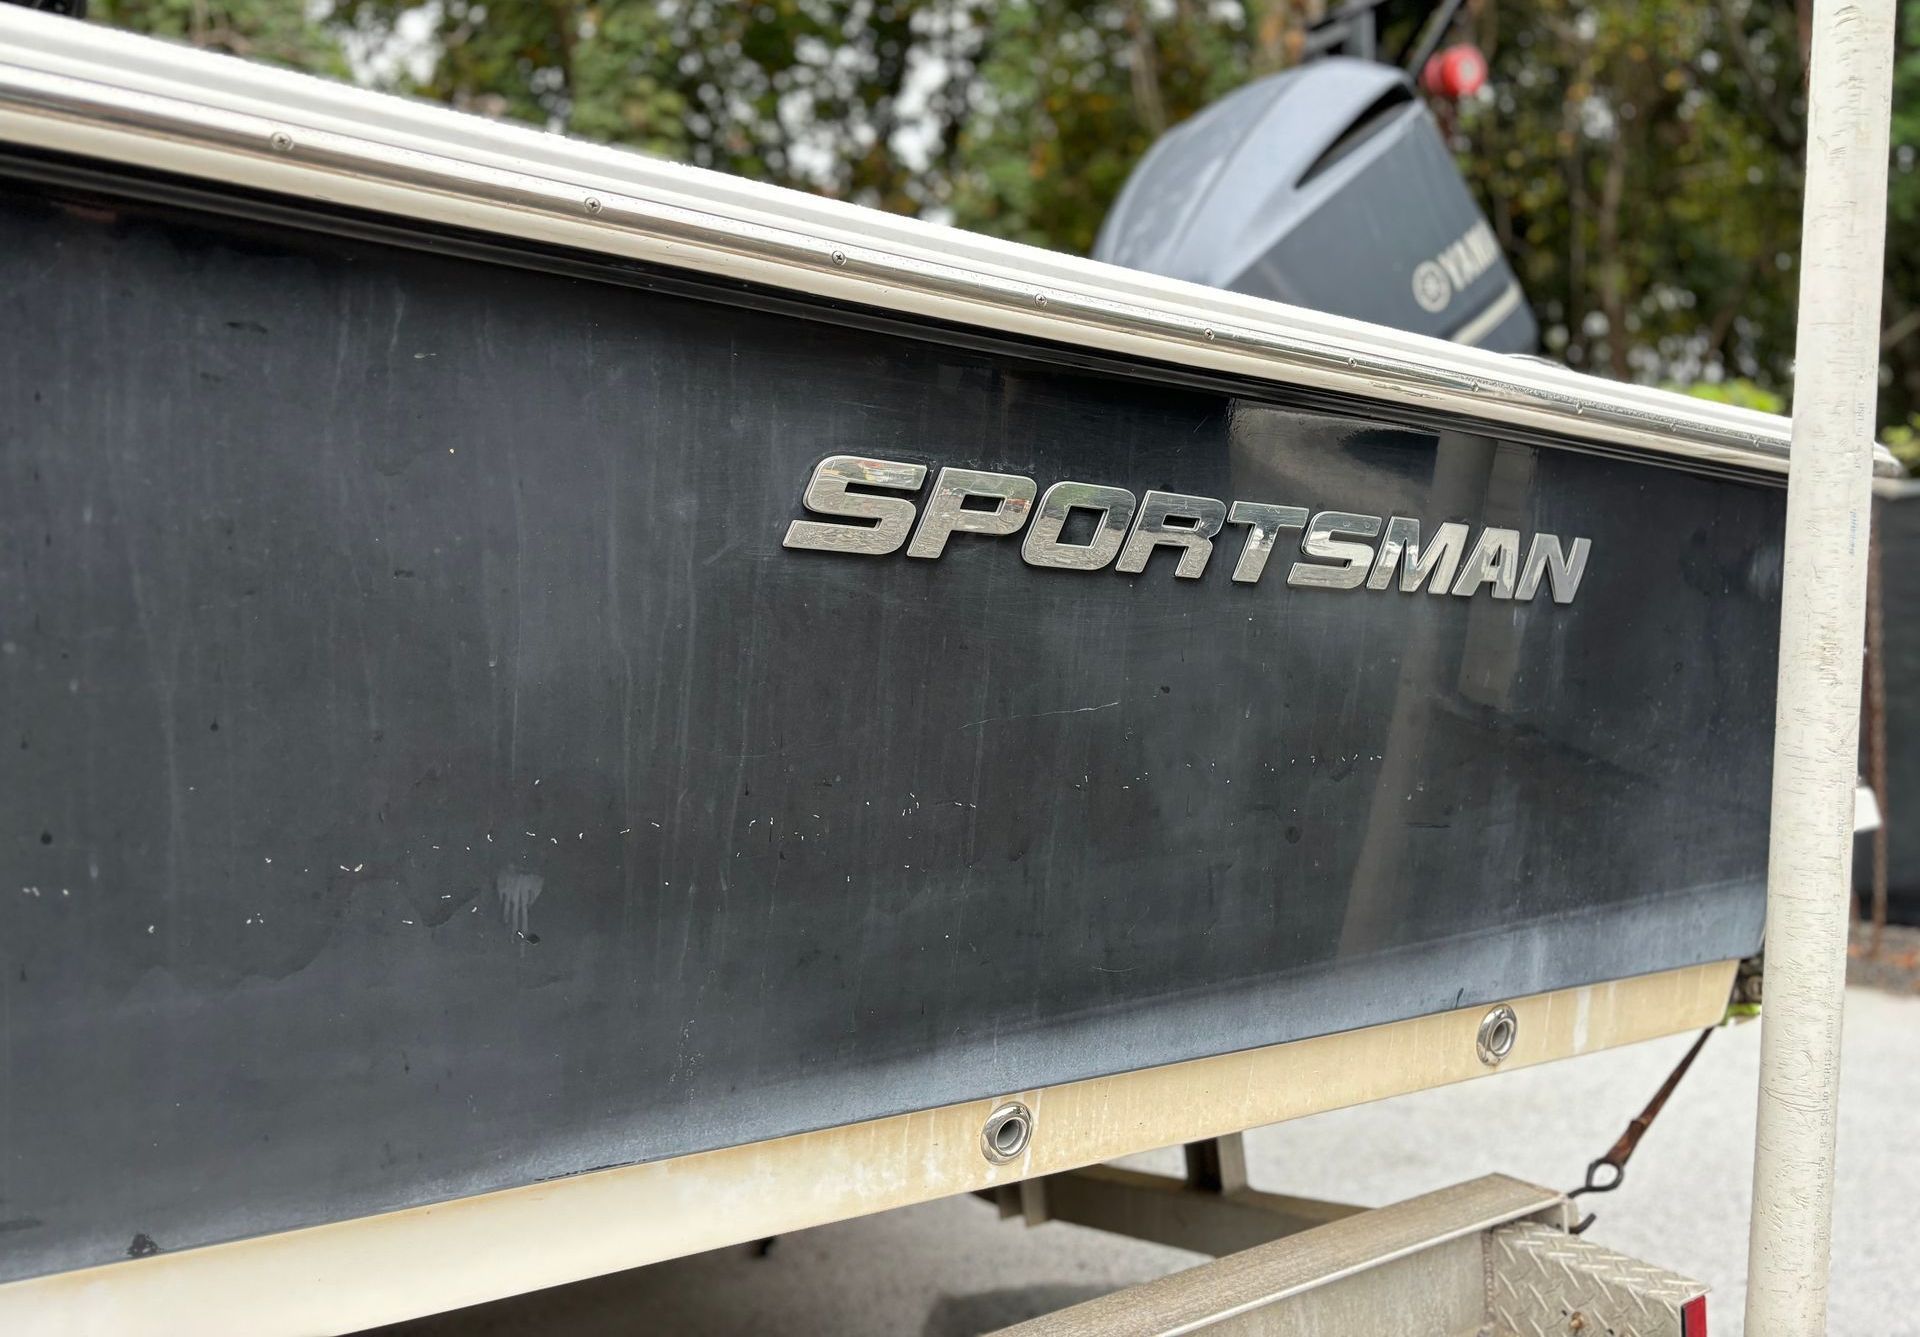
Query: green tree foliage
[1071,94]
[1900,317]
[1640,164]
[1640,159]
[851,99]
[279,31]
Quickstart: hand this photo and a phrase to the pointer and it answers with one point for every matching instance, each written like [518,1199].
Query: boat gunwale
[81,89]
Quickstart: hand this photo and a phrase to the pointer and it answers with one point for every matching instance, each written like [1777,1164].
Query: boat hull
[433,772]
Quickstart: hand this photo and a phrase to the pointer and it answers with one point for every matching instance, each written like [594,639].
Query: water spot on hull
[517,891]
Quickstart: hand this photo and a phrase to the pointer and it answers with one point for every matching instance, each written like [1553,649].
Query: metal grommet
[1498,1030]
[1006,1133]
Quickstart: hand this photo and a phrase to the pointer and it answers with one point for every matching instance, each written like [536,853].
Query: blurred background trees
[1640,159]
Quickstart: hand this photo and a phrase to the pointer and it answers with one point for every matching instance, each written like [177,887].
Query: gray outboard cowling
[1326,186]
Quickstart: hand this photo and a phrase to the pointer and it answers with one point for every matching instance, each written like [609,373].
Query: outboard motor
[1327,186]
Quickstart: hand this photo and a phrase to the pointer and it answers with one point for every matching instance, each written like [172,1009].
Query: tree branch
[1779,116]
[1143,72]
[1611,266]
[1901,330]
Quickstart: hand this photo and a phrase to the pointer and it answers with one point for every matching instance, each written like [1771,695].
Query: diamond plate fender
[1543,1282]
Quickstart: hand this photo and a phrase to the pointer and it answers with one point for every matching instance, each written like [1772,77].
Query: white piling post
[1822,616]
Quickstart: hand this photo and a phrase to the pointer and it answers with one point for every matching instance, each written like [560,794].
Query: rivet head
[593,205]
[1498,1030]
[281,141]
[1005,1135]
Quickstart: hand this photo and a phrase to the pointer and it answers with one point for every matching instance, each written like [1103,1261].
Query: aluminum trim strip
[359,1274]
[1487,321]
[82,89]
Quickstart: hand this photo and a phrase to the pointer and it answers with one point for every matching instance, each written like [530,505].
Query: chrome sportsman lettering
[947,512]
[1110,526]
[1043,547]
[1263,522]
[1562,569]
[1354,558]
[1432,565]
[1200,519]
[1493,561]
[827,494]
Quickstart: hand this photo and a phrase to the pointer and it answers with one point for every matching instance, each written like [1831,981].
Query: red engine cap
[1456,72]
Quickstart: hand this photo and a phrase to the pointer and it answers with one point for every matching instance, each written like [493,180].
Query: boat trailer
[1491,1257]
